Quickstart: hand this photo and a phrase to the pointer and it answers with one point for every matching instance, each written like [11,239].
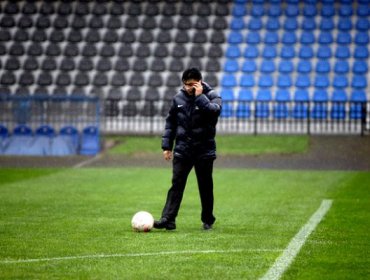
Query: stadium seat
[357,106]
[247,80]
[300,108]
[338,108]
[359,67]
[320,109]
[90,141]
[263,99]
[282,97]
[243,109]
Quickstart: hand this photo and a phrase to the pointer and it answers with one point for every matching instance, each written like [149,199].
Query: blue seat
[22,130]
[345,10]
[302,81]
[284,81]
[307,38]
[265,81]
[228,80]
[326,24]
[342,52]
[344,24]
[4,133]
[358,99]
[237,23]
[289,38]
[282,95]
[281,110]
[245,95]
[321,81]
[304,66]
[291,10]
[274,11]
[290,24]
[233,51]
[320,107]
[340,81]
[309,10]
[341,67]
[338,108]
[227,110]
[362,24]
[267,66]
[322,67]
[308,24]
[231,66]
[300,108]
[257,10]
[235,37]
[363,10]
[344,38]
[324,52]
[249,66]
[263,99]
[286,66]
[362,38]
[325,38]
[251,52]
[272,24]
[255,23]
[71,133]
[287,52]
[271,38]
[247,80]
[269,51]
[227,94]
[361,52]
[327,10]
[359,82]
[239,10]
[359,67]
[253,38]
[45,130]
[90,141]
[306,52]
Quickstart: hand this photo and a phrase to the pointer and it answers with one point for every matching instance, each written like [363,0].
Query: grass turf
[226,144]
[48,213]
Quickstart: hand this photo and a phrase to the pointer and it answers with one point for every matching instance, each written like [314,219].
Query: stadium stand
[130,54]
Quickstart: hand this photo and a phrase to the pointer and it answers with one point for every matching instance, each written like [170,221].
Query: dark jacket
[191,122]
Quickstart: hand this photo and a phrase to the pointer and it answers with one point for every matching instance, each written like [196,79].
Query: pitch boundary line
[291,251]
[88,161]
[128,255]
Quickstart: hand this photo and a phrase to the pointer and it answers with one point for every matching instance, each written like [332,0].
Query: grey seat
[140,65]
[128,36]
[12,64]
[114,22]
[166,23]
[43,22]
[39,35]
[17,49]
[25,21]
[26,79]
[110,36]
[182,37]
[155,80]
[104,64]
[179,51]
[132,23]
[29,8]
[176,65]
[169,9]
[133,94]
[122,64]
[173,80]
[158,65]
[197,51]
[8,78]
[71,50]
[53,50]
[31,64]
[89,50]
[56,36]
[78,21]
[75,36]
[200,37]
[149,23]
[63,79]
[49,64]
[201,23]
[44,79]
[7,22]
[137,79]
[163,37]
[125,50]
[146,37]
[107,50]
[85,64]
[195,62]
[118,79]
[184,23]
[100,79]
[161,50]
[96,22]
[67,64]
[35,49]
[60,22]
[81,79]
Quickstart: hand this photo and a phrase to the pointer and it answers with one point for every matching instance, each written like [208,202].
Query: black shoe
[164,223]
[207,226]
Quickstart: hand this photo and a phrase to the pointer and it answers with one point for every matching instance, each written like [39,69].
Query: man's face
[189,85]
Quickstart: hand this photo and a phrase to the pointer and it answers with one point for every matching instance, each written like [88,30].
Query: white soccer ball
[142,221]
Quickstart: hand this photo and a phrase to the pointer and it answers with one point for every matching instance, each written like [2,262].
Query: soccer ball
[142,221]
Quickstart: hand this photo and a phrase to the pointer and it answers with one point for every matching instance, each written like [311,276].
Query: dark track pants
[181,169]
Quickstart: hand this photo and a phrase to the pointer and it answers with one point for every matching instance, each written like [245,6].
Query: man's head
[190,77]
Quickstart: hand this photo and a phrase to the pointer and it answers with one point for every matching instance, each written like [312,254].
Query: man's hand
[198,88]
[167,155]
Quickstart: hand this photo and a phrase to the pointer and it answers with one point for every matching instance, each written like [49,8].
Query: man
[191,125]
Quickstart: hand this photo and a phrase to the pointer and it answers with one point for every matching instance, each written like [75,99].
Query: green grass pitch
[75,224]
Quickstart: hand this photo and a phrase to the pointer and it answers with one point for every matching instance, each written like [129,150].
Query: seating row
[46,142]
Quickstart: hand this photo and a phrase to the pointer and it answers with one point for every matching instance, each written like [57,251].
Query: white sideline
[295,245]
[86,162]
[164,253]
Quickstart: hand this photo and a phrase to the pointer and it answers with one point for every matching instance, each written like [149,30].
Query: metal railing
[249,117]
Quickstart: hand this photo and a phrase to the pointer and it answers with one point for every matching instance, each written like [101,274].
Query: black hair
[191,74]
